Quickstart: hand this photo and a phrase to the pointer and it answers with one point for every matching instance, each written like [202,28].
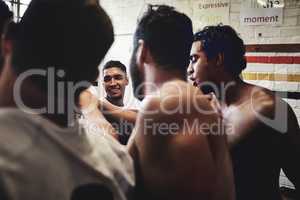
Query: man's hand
[117,112]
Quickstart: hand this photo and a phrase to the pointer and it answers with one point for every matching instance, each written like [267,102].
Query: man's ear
[126,79]
[220,60]
[141,55]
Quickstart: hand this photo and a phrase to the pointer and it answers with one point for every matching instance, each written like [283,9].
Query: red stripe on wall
[297,60]
[274,59]
[282,60]
[257,59]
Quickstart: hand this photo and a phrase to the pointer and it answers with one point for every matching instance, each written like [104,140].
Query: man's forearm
[117,112]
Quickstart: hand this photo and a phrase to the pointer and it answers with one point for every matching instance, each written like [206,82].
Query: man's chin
[115,96]
[205,88]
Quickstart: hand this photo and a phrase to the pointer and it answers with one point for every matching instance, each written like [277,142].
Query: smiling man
[115,81]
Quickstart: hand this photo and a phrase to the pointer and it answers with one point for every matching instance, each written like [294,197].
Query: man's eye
[118,77]
[107,78]
[193,58]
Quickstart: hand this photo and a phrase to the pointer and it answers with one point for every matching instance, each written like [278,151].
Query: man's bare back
[178,155]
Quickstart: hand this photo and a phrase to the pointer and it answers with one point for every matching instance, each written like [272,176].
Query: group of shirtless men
[201,132]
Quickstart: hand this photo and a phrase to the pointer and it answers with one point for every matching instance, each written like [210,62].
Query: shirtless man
[259,148]
[174,160]
[114,81]
[109,113]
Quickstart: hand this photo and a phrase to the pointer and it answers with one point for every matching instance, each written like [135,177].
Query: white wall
[124,14]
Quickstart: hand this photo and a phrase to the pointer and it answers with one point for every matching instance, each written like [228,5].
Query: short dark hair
[71,35]
[5,15]
[223,39]
[168,34]
[115,63]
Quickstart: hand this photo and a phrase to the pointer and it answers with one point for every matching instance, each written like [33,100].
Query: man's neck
[156,78]
[115,101]
[30,96]
[7,80]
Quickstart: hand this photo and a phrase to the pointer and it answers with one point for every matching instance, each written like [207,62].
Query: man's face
[137,81]
[114,82]
[201,71]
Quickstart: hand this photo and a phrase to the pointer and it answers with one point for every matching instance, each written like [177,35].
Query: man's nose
[113,82]
[190,70]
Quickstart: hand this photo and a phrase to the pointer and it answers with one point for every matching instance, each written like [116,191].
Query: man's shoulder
[85,95]
[263,107]
[86,99]
[16,133]
[175,96]
[10,117]
[178,88]
[258,100]
[268,103]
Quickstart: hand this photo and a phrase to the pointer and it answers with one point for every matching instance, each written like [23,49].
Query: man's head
[166,36]
[5,16]
[217,52]
[68,35]
[115,79]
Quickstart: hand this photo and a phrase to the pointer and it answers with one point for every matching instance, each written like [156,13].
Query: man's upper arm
[246,117]
[85,99]
[291,149]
